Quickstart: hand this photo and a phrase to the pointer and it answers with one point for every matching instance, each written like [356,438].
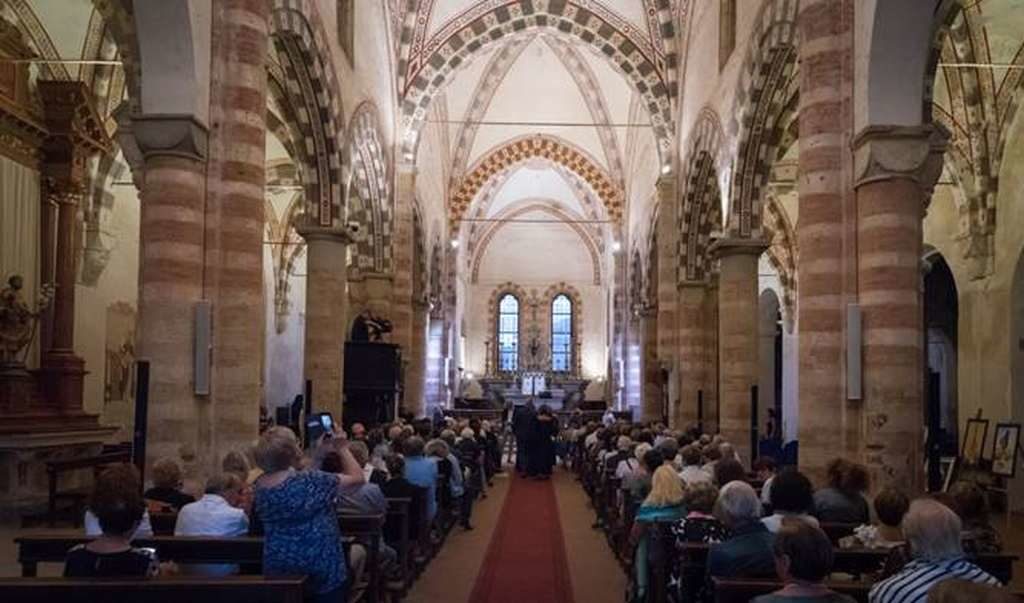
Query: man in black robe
[524,419]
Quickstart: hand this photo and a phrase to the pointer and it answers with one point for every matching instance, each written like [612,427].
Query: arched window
[508,333]
[561,333]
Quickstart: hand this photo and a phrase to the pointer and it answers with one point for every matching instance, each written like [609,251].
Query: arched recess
[285,245]
[941,316]
[782,254]
[576,301]
[521,149]
[480,27]
[369,189]
[312,90]
[499,292]
[770,357]
[510,214]
[701,199]
[767,95]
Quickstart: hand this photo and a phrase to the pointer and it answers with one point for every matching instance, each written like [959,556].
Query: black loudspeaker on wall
[141,412]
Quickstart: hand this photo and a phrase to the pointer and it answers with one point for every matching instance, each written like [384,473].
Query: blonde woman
[664,505]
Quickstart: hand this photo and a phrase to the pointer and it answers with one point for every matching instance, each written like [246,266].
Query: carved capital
[908,152]
[313,232]
[729,246]
[166,135]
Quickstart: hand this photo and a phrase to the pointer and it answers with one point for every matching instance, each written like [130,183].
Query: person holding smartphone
[297,509]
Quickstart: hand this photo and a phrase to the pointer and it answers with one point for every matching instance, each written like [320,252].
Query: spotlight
[455,243]
[616,247]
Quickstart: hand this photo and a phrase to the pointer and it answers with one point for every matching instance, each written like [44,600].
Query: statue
[18,321]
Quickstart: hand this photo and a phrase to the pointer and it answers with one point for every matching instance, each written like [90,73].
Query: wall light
[616,247]
[455,243]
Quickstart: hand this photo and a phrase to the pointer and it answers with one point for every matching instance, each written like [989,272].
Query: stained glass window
[561,333]
[508,333]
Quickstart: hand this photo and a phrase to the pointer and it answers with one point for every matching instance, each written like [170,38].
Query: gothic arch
[512,213]
[466,35]
[782,254]
[302,48]
[369,182]
[768,71]
[701,201]
[527,147]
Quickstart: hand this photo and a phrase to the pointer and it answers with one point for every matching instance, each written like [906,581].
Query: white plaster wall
[284,369]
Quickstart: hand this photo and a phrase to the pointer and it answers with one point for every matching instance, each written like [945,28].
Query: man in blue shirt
[421,471]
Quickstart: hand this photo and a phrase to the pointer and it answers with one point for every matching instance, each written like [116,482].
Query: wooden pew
[397,535]
[172,589]
[368,531]
[52,548]
[78,496]
[838,531]
[734,590]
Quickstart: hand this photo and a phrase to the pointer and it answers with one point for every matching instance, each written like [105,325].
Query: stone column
[668,295]
[326,309]
[171,267]
[896,169]
[402,241]
[829,425]
[737,337]
[650,402]
[415,378]
[692,365]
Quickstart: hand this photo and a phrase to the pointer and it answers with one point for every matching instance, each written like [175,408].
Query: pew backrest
[732,590]
[171,589]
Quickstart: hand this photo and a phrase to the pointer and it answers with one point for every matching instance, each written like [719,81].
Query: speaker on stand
[141,414]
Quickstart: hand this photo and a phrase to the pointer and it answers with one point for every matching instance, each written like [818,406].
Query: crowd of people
[698,488]
[293,498]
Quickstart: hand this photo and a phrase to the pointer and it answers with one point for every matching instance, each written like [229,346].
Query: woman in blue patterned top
[298,513]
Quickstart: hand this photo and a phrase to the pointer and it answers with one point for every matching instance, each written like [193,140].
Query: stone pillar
[76,133]
[829,426]
[171,267]
[402,241]
[692,345]
[235,220]
[896,169]
[737,337]
[668,295]
[326,309]
[437,345]
[651,401]
[415,378]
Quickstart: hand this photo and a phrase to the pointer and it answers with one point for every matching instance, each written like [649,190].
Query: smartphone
[327,421]
[314,431]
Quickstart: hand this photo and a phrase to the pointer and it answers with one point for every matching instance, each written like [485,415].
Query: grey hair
[222,483]
[623,443]
[641,450]
[933,531]
[437,448]
[737,504]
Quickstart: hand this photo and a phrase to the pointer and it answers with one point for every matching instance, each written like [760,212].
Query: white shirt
[211,515]
[774,522]
[92,526]
[692,474]
[626,467]
[766,491]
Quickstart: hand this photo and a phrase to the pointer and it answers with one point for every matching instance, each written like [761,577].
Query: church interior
[793,227]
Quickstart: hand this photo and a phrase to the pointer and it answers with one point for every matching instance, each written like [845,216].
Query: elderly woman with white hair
[748,551]
[933,532]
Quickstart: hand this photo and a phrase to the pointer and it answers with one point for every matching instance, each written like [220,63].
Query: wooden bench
[838,531]
[171,589]
[78,496]
[741,591]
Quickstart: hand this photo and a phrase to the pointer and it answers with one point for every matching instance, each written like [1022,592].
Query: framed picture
[1004,449]
[974,442]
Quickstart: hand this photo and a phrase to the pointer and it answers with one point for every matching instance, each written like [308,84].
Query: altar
[560,392]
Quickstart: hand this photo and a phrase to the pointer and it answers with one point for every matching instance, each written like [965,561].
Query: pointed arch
[701,200]
[782,254]
[370,183]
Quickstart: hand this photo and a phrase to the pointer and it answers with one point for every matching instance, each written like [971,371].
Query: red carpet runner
[526,560]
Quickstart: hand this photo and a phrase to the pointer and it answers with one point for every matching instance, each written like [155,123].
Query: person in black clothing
[399,487]
[542,450]
[167,482]
[524,419]
[119,508]
[468,453]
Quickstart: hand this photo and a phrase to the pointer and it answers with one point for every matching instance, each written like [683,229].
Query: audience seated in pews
[792,497]
[622,453]
[462,495]
[664,504]
[297,508]
[399,487]
[962,591]
[361,453]
[236,463]
[712,454]
[118,507]
[669,449]
[167,483]
[692,473]
[933,532]
[729,470]
[630,464]
[640,486]
[422,472]
[218,513]
[112,480]
[748,550]
[843,500]
[890,506]
[700,525]
[971,505]
[765,469]
[803,560]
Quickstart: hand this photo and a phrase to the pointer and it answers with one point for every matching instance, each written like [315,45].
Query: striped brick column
[326,309]
[710,354]
[650,401]
[415,379]
[401,294]
[896,169]
[171,267]
[829,426]
[235,221]
[737,336]
[692,361]
[668,245]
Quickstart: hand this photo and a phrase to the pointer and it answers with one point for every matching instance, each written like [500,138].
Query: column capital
[908,152]
[730,246]
[312,232]
[168,135]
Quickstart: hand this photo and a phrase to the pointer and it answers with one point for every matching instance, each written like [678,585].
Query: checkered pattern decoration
[519,150]
[767,71]
[700,214]
[120,23]
[370,183]
[782,253]
[484,24]
[301,45]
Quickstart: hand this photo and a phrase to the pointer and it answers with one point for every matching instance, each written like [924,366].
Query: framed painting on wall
[974,442]
[1004,449]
